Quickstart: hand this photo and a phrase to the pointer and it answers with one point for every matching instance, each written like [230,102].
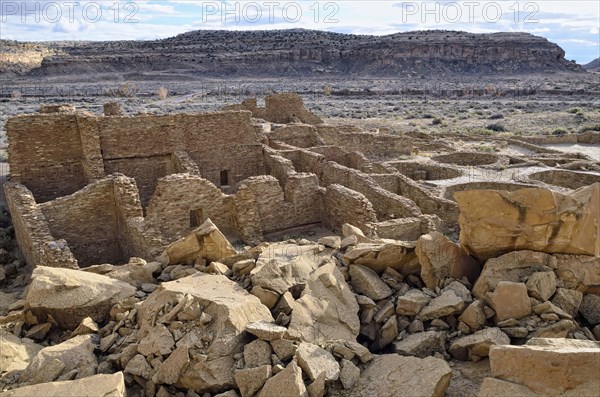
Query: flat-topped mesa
[301,52]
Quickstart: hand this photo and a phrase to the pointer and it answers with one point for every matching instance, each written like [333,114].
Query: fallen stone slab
[315,360]
[398,255]
[550,366]
[390,374]
[204,242]
[98,385]
[70,295]
[444,305]
[74,354]
[365,281]
[477,346]
[421,344]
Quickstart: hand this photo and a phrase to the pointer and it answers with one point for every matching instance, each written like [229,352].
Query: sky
[574,25]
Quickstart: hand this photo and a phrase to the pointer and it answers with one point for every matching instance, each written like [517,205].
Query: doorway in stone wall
[196,217]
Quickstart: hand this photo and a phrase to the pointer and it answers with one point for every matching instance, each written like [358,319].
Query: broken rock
[388,374]
[550,366]
[365,281]
[327,309]
[440,258]
[510,300]
[69,295]
[444,305]
[98,385]
[477,346]
[290,380]
[205,242]
[315,360]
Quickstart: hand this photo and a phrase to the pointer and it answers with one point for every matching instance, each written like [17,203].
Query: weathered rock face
[550,367]
[440,258]
[510,300]
[308,52]
[388,374]
[69,296]
[205,242]
[216,311]
[98,385]
[327,309]
[494,222]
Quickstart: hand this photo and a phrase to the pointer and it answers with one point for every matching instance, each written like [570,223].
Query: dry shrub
[162,93]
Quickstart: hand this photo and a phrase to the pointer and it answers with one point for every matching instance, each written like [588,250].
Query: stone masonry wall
[45,153]
[57,154]
[33,235]
[88,221]
[343,205]
[368,143]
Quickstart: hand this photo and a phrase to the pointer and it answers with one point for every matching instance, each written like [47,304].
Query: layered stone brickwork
[280,108]
[141,147]
[370,143]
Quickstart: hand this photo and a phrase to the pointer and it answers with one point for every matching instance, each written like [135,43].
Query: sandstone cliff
[301,52]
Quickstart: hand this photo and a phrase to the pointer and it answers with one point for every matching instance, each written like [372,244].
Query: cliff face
[312,53]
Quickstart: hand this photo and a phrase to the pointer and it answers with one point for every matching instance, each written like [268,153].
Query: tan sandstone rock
[365,281]
[69,295]
[315,360]
[494,222]
[398,255]
[440,258]
[444,305]
[390,374]
[288,380]
[204,242]
[514,266]
[98,385]
[16,353]
[227,309]
[477,346]
[327,309]
[550,367]
[510,300]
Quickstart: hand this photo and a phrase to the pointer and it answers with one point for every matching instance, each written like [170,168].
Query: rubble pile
[346,315]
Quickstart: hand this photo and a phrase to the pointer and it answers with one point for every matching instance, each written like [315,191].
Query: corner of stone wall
[37,245]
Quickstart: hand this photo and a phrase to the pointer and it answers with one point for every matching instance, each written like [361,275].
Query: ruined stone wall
[88,221]
[183,201]
[145,170]
[299,135]
[36,243]
[428,203]
[217,142]
[343,205]
[278,209]
[45,153]
[57,154]
[368,143]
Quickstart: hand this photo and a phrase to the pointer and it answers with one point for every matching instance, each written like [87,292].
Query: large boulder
[327,309]
[391,374]
[440,259]
[204,242]
[69,295]
[98,385]
[494,222]
[215,312]
[550,367]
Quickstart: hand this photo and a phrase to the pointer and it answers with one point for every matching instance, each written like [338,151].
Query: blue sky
[574,25]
